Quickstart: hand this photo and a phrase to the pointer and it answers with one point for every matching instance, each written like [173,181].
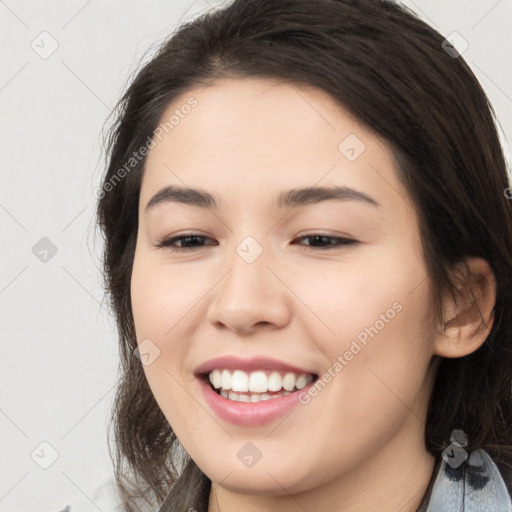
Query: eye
[191,241]
[325,239]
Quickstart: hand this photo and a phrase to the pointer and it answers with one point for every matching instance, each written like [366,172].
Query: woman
[308,251]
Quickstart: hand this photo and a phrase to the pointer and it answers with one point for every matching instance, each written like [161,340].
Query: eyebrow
[287,199]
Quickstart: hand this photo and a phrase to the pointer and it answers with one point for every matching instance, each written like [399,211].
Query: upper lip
[252,364]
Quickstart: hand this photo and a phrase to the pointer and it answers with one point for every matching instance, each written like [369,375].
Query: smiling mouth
[256,386]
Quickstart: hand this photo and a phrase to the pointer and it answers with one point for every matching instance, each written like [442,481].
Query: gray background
[59,346]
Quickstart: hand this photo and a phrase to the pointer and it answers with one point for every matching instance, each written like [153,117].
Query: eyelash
[166,242]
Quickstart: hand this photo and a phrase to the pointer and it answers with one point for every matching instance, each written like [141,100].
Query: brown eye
[325,240]
[188,242]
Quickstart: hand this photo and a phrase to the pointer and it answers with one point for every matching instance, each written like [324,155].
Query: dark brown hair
[392,72]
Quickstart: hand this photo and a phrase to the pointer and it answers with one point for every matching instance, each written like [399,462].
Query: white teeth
[301,382]
[216,378]
[252,397]
[232,384]
[289,381]
[275,383]
[261,397]
[258,382]
[226,380]
[239,381]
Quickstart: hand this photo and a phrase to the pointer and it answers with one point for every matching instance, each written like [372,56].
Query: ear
[469,318]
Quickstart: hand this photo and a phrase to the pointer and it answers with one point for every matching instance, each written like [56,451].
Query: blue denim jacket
[475,486]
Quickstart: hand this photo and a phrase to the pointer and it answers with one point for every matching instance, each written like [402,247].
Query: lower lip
[250,413]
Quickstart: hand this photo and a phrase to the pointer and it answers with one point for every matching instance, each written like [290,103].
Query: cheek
[364,289]
[376,381]
[162,295]
[379,348]
[163,302]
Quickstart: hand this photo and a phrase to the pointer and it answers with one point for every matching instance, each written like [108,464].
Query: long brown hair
[393,73]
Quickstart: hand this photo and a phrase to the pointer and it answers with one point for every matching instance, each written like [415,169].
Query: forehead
[252,138]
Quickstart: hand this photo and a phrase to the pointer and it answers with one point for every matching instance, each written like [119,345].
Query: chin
[270,479]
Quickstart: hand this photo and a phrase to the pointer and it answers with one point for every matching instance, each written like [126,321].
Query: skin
[358,444]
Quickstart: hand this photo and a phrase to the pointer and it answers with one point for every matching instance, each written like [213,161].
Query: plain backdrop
[64,64]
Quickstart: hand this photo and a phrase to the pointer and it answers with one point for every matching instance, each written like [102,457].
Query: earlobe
[468,319]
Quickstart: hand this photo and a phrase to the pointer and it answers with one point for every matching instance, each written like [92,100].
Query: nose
[251,296]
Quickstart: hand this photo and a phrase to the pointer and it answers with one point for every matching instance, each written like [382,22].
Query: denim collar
[474,485]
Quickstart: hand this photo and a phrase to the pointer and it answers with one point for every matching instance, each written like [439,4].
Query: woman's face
[263,297]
